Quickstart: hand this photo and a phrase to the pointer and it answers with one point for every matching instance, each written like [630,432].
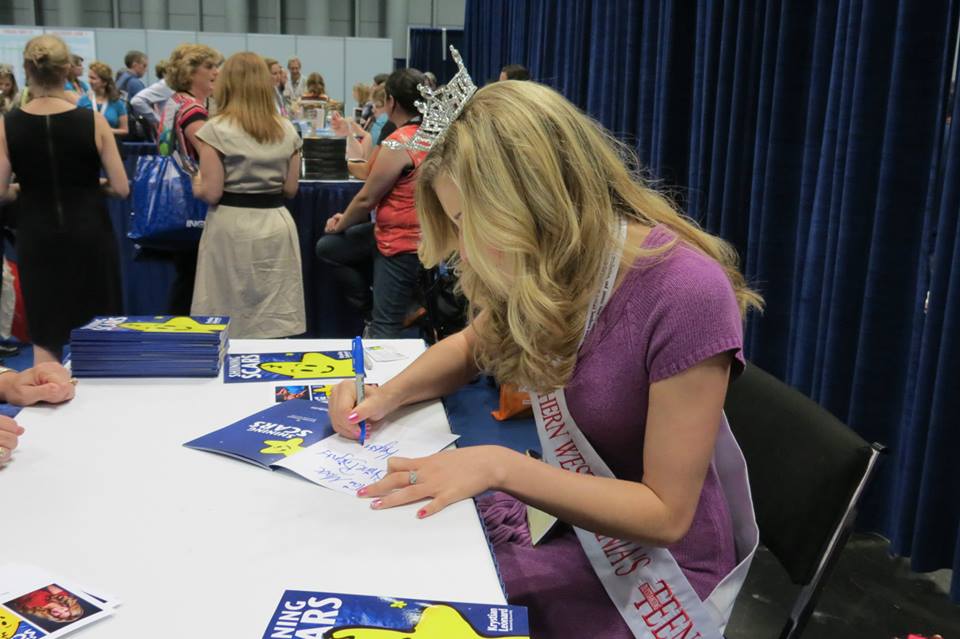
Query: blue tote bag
[165,214]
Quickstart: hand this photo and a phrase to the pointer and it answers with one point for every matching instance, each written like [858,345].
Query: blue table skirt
[148,275]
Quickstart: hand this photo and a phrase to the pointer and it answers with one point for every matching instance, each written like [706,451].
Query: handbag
[165,213]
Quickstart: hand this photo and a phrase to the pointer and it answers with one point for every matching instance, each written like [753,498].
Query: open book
[297,436]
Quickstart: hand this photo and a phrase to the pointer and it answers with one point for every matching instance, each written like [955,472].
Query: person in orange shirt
[351,240]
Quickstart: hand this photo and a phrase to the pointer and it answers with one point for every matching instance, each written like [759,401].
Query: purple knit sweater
[669,313]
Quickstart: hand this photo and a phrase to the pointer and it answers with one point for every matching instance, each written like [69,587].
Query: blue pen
[359,372]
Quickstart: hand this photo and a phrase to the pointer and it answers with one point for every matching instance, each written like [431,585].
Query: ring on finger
[3,452]
[412,477]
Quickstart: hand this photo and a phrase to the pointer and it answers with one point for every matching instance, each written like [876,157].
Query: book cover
[270,435]
[276,367]
[315,615]
[153,327]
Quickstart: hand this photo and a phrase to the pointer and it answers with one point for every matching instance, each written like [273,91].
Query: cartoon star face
[8,624]
[174,325]
[12,627]
[312,366]
[283,446]
[436,622]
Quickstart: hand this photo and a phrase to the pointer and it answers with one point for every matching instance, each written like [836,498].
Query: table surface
[102,492]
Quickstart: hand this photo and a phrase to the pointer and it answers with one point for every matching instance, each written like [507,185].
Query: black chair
[807,473]
[446,308]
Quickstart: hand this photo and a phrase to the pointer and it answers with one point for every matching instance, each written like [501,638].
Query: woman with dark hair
[392,241]
[107,98]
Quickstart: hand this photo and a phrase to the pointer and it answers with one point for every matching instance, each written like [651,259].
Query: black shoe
[9,350]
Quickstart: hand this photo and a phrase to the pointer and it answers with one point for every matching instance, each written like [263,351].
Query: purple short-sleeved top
[670,312]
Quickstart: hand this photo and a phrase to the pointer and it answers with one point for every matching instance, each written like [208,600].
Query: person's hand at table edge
[10,431]
[47,382]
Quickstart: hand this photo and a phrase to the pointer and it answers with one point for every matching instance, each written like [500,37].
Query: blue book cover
[277,367]
[316,615]
[270,435]
[153,328]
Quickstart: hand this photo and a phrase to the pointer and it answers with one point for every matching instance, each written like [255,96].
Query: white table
[101,491]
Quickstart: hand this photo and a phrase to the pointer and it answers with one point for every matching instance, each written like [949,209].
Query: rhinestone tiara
[440,108]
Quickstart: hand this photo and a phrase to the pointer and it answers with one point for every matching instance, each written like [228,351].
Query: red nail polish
[421,513]
[353,417]
[376,503]
[362,492]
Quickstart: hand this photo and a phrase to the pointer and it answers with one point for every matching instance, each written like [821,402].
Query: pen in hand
[358,370]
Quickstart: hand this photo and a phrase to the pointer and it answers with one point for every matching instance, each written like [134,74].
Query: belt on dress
[252,200]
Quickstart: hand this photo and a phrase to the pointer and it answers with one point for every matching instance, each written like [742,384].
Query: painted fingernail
[376,503]
[421,513]
[353,418]
[362,492]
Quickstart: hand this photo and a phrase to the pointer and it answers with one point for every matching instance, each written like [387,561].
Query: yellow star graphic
[283,447]
[399,604]
[311,366]
[436,622]
[174,325]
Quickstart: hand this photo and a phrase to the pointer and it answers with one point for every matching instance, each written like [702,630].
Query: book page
[341,464]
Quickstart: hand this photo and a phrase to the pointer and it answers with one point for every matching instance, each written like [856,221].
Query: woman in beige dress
[249,262]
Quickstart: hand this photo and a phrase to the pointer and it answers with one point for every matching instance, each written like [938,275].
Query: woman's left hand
[446,477]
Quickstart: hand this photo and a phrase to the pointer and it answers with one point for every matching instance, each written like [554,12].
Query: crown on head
[440,108]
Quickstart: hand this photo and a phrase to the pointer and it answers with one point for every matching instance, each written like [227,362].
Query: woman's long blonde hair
[245,95]
[543,185]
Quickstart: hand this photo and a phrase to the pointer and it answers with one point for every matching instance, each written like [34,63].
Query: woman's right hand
[332,221]
[346,414]
[339,125]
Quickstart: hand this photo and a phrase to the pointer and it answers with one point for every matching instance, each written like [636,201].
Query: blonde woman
[191,74]
[9,94]
[67,252]
[249,261]
[536,201]
[106,97]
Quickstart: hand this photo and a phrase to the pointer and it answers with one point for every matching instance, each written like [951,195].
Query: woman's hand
[46,382]
[346,414]
[446,477]
[339,125]
[10,431]
[332,222]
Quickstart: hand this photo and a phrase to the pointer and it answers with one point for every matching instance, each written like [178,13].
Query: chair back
[807,472]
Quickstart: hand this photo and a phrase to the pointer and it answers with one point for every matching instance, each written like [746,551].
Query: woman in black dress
[66,249]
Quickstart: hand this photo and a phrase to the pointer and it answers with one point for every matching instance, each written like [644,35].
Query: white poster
[82,43]
[12,42]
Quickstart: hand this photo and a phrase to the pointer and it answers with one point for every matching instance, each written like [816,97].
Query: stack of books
[149,346]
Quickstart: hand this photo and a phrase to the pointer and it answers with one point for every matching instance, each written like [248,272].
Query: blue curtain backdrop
[430,51]
[811,135]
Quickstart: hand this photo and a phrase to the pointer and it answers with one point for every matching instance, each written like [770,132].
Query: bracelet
[355,160]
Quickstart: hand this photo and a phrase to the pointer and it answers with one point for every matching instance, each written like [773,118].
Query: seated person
[316,88]
[47,382]
[352,241]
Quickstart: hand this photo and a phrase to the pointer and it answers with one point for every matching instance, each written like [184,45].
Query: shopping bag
[165,214]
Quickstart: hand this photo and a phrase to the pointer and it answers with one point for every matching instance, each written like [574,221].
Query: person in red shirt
[386,250]
[51,603]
